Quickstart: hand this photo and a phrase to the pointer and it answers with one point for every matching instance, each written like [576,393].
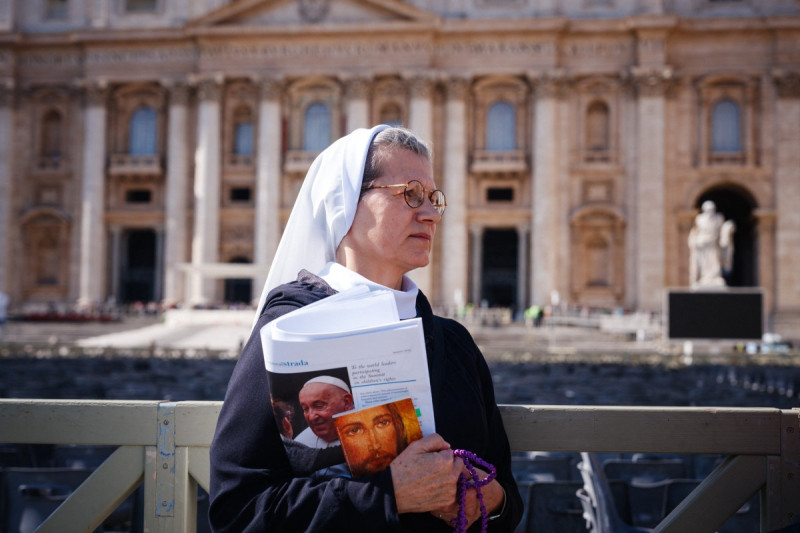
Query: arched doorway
[138,274]
[737,205]
[238,290]
[499,267]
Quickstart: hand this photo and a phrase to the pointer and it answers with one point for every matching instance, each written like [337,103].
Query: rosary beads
[473,482]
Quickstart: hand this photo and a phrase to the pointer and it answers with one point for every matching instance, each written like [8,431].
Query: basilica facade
[151,150]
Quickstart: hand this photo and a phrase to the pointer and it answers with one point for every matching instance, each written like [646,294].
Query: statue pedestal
[708,313]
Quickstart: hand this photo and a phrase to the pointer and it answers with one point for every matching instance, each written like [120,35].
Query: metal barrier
[165,446]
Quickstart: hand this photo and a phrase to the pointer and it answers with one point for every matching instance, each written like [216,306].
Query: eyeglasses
[414,194]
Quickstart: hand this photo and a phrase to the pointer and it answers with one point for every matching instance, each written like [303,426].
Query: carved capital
[421,85]
[210,88]
[270,88]
[653,81]
[548,83]
[178,93]
[457,87]
[357,88]
[96,92]
[787,84]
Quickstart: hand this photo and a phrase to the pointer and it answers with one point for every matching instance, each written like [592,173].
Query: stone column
[765,227]
[268,181]
[357,93]
[98,13]
[91,285]
[651,84]
[453,227]
[420,121]
[522,267]
[787,194]
[476,265]
[545,226]
[207,173]
[6,157]
[116,261]
[176,192]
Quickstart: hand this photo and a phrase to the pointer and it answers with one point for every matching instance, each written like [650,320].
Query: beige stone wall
[613,143]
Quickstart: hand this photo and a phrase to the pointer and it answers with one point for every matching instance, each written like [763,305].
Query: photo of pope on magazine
[345,353]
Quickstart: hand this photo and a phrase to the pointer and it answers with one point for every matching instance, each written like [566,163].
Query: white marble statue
[710,247]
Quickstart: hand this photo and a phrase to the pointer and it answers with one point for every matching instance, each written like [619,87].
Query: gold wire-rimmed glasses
[414,195]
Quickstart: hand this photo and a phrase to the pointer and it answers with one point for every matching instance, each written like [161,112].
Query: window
[143,132]
[140,6]
[56,9]
[501,127]
[317,127]
[138,196]
[241,194]
[51,135]
[597,127]
[725,128]
[598,263]
[242,132]
[500,194]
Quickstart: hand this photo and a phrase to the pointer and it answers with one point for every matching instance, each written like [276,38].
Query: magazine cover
[346,352]
[372,437]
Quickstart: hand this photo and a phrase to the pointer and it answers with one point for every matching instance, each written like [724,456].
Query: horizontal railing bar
[754,431]
[195,422]
[115,422]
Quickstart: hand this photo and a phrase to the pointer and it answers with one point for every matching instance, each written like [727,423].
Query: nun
[366,214]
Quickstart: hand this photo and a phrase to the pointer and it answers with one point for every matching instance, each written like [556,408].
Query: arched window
[597,127]
[51,135]
[725,127]
[392,115]
[317,127]
[143,132]
[243,132]
[501,127]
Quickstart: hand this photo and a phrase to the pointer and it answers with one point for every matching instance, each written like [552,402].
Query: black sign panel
[723,314]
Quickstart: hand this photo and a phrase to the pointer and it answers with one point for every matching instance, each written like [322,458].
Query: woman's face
[388,238]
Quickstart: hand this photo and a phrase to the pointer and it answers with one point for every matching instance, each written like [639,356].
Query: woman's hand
[425,476]
[493,499]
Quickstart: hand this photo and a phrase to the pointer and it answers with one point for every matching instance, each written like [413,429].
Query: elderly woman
[365,215]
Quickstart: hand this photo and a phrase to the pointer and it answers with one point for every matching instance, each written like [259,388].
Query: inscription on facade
[142,55]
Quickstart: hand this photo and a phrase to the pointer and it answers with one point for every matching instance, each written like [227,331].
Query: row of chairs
[611,493]
[35,480]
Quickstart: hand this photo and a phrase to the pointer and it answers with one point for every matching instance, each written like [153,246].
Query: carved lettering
[49,59]
[140,55]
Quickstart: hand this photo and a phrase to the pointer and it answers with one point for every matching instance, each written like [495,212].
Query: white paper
[358,334]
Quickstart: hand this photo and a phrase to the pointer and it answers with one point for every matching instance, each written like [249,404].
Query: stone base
[733,314]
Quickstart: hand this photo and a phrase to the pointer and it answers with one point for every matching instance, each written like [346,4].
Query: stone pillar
[765,228]
[98,13]
[207,173]
[454,223]
[268,181]
[6,157]
[544,204]
[651,84]
[420,121]
[787,194]
[116,261]
[357,93]
[176,192]
[476,265]
[522,267]
[158,284]
[91,286]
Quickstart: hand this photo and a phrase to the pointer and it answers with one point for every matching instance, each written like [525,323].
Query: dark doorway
[238,290]
[138,276]
[499,279]
[738,206]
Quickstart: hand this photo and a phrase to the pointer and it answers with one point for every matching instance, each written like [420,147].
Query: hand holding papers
[348,351]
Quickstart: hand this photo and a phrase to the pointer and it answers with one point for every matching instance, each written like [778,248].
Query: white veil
[323,212]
